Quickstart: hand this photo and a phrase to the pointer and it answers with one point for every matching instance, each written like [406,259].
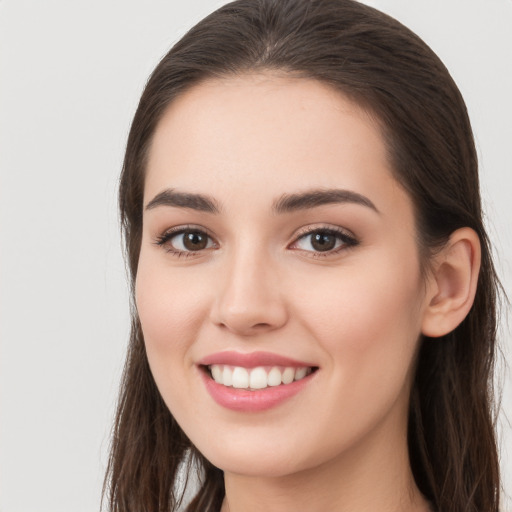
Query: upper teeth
[256,378]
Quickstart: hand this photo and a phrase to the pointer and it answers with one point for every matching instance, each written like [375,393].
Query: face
[279,286]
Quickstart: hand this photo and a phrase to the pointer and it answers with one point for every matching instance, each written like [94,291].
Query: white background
[71,73]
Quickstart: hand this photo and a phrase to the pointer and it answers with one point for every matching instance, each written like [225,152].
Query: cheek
[369,322]
[168,304]
[368,327]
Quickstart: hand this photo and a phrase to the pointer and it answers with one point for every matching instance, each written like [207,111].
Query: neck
[373,475]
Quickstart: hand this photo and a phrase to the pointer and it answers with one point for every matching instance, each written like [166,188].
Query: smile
[253,379]
[254,382]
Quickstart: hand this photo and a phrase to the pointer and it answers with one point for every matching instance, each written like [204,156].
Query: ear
[452,286]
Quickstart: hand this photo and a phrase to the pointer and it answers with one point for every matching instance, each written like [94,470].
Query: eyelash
[347,240]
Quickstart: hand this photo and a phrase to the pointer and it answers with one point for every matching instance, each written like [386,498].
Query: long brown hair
[384,67]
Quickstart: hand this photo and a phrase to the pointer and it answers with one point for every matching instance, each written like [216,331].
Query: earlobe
[452,287]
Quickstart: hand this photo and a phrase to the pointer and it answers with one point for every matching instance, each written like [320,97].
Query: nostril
[261,325]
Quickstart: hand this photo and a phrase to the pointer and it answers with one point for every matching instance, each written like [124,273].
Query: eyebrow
[287,203]
[170,197]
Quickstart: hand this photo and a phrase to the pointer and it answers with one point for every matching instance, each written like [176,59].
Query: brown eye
[184,241]
[194,241]
[323,241]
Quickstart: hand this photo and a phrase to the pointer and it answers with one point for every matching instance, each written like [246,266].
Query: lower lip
[253,401]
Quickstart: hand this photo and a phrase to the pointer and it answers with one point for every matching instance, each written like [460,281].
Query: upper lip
[252,359]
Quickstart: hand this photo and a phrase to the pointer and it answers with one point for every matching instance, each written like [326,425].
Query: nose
[250,299]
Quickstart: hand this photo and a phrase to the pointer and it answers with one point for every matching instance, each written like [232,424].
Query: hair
[385,68]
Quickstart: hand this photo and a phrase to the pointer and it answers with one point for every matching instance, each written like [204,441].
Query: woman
[314,297]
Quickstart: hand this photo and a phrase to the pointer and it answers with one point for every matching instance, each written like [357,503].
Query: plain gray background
[71,73]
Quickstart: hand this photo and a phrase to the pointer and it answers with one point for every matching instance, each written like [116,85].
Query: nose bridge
[249,297]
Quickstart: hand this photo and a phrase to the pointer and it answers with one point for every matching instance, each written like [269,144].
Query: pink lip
[242,400]
[257,400]
[252,359]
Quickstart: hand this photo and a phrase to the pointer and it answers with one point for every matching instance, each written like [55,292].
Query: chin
[256,465]
[258,457]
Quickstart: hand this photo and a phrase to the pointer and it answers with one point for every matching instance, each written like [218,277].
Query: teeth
[274,377]
[256,378]
[240,377]
[227,376]
[288,375]
[300,373]
[217,373]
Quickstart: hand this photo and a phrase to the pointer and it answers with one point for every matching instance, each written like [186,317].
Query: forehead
[259,134]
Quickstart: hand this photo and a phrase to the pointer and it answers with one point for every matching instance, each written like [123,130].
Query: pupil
[194,241]
[323,242]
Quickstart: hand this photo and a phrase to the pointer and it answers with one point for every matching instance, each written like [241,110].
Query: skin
[340,444]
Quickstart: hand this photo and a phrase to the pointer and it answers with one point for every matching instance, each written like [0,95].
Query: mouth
[254,382]
[257,378]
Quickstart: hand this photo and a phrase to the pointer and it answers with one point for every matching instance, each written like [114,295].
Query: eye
[324,242]
[185,241]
